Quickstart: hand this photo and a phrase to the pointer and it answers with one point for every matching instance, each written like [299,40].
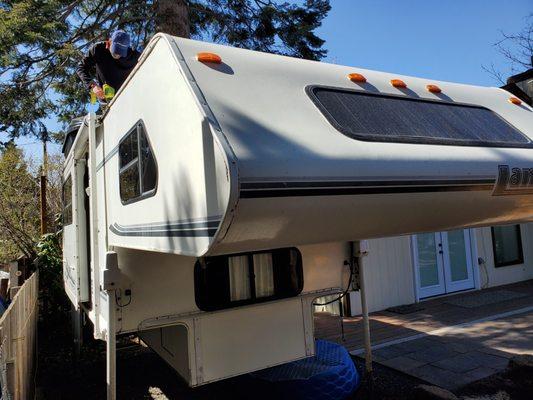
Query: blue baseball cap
[120,42]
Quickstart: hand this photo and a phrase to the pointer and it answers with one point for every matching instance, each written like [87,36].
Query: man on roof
[108,62]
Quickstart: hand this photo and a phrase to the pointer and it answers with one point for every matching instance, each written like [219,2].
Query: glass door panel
[429,264]
[443,262]
[457,260]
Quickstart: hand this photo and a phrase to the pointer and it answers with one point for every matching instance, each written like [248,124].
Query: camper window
[389,118]
[67,201]
[235,280]
[137,167]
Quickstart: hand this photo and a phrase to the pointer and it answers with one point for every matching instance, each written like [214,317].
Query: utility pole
[44,172]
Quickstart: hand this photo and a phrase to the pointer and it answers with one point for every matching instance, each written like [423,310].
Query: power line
[27,144]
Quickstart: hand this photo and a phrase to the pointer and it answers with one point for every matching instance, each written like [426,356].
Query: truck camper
[217,196]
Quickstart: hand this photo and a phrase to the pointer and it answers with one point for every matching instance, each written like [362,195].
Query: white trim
[414,257]
[440,288]
[468,282]
[475,265]
[445,330]
[444,270]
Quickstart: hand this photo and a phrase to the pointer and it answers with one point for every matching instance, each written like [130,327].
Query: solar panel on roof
[387,118]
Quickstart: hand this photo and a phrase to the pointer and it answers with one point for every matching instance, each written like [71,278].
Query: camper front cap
[120,42]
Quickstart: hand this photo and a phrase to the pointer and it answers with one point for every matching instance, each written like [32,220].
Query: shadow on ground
[141,374]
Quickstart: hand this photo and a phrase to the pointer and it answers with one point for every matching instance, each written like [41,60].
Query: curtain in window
[239,278]
[264,275]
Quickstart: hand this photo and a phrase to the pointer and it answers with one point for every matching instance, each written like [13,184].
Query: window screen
[507,245]
[234,280]
[138,170]
[387,118]
[67,201]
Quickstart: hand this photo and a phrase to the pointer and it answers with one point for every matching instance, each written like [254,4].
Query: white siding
[491,276]
[389,270]
[389,278]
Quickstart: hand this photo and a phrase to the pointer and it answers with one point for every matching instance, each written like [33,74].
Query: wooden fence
[18,330]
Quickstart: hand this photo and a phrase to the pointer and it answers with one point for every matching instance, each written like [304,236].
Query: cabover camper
[217,196]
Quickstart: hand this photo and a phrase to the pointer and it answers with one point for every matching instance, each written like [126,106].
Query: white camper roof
[261,103]
[289,128]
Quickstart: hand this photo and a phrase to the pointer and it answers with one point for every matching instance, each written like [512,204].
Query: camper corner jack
[109,284]
[362,250]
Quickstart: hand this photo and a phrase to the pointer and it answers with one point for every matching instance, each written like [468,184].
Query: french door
[443,262]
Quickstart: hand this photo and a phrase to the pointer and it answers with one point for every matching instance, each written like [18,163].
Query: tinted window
[148,168]
[138,170]
[387,118]
[129,183]
[128,149]
[507,245]
[67,201]
[234,280]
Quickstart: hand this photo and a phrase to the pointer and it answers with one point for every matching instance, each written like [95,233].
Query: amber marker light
[398,83]
[209,58]
[433,88]
[355,77]
[515,100]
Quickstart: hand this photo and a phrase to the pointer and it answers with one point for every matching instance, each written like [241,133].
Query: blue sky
[444,40]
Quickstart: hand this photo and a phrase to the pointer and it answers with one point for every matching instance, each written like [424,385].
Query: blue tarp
[330,375]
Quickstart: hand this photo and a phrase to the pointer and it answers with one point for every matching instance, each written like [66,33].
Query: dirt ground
[141,374]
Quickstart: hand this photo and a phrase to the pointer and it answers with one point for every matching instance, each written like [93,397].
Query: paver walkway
[433,314]
[464,354]
[445,344]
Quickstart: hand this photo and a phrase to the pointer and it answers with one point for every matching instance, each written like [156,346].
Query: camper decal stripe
[107,157]
[176,229]
[337,188]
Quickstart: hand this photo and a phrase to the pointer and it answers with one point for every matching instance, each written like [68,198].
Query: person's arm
[86,68]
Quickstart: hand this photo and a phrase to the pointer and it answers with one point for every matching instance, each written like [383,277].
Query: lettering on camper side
[513,181]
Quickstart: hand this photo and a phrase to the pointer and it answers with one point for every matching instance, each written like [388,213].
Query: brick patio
[445,344]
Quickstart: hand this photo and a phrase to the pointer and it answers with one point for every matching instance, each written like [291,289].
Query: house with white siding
[407,269]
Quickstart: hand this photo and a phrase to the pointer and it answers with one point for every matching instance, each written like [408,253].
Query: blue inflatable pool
[330,374]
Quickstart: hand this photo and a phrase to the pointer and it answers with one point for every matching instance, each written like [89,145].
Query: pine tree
[42,40]
[19,206]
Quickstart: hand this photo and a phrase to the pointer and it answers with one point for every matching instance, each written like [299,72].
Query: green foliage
[50,263]
[41,42]
[49,255]
[20,202]
[281,28]
[19,206]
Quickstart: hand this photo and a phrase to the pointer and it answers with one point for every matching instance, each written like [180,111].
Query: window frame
[519,260]
[137,160]
[70,204]
[201,300]
[310,90]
